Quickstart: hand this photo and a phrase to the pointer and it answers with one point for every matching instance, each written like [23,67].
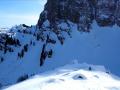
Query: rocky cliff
[82,12]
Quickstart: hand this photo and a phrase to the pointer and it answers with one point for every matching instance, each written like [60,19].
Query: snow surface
[71,77]
[100,47]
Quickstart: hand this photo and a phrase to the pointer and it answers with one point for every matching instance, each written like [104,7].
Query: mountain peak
[58,38]
[82,12]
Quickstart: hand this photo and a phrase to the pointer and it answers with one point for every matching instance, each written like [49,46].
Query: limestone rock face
[81,12]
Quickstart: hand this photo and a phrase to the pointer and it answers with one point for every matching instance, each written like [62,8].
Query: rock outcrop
[81,12]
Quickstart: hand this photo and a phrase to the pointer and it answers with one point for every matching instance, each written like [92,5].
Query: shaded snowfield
[71,77]
[100,47]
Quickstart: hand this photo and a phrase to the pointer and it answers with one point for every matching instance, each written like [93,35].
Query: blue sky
[15,12]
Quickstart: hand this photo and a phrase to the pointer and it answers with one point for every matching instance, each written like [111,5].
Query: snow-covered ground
[71,77]
[101,46]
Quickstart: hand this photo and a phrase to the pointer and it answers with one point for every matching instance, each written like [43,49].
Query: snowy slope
[71,77]
[101,46]
[12,66]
